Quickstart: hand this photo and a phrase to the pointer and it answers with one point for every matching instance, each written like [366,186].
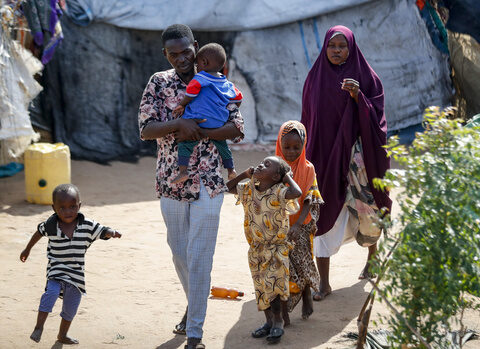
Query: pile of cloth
[17,88]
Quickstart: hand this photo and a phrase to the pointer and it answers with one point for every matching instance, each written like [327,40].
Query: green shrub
[433,274]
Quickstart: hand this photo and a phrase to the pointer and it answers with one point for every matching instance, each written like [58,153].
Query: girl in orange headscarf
[290,146]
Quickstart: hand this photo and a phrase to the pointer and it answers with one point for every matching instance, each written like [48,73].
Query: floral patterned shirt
[162,94]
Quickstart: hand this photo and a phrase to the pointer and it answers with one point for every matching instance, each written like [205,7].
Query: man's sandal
[181,327]
[195,346]
[194,343]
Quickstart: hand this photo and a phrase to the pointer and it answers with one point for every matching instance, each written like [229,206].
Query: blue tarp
[464,17]
[10,169]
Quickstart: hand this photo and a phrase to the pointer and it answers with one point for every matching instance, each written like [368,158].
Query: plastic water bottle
[225,293]
[293,287]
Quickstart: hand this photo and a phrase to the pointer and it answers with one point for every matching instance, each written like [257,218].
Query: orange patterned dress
[266,227]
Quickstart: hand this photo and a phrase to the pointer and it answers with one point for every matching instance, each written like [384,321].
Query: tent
[93,84]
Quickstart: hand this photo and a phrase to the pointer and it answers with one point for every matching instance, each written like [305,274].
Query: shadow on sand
[57,345]
[173,343]
[330,317]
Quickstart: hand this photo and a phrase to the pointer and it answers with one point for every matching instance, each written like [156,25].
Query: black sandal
[275,335]
[262,331]
[181,327]
[194,343]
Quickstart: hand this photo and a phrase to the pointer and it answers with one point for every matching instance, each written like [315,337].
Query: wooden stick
[397,313]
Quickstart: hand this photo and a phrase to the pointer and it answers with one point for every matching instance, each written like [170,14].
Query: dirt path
[134,296]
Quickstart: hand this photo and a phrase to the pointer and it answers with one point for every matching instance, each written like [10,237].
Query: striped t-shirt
[66,257]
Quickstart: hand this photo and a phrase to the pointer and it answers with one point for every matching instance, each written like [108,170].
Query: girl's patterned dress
[266,227]
[302,266]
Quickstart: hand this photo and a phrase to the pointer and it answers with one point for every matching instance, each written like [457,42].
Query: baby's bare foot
[36,335]
[67,340]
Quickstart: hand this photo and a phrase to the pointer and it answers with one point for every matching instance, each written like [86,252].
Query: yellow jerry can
[46,166]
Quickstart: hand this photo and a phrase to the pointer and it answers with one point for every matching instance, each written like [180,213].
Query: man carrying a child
[190,209]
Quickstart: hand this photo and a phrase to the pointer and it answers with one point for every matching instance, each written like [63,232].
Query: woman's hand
[249,172]
[351,86]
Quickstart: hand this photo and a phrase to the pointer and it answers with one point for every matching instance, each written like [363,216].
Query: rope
[300,25]
[317,37]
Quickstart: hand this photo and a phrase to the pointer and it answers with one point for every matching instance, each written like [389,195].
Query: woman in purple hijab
[342,110]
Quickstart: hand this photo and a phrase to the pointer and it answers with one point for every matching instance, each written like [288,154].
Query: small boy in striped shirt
[69,235]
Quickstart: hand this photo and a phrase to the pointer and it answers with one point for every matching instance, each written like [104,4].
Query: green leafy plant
[433,269]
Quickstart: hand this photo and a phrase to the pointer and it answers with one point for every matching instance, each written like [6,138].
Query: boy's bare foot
[366,273]
[67,340]
[320,296]
[307,303]
[231,174]
[36,335]
[181,177]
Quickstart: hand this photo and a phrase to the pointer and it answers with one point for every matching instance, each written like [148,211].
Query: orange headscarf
[303,170]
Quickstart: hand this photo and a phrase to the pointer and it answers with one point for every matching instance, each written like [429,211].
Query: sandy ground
[134,297]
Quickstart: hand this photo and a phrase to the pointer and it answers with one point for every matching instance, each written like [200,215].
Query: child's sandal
[262,331]
[275,335]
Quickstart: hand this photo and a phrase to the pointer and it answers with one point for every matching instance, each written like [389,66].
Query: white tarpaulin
[100,70]
[393,39]
[205,15]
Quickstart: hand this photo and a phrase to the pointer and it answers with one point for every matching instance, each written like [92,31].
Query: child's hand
[286,179]
[24,255]
[249,172]
[178,111]
[294,232]
[113,234]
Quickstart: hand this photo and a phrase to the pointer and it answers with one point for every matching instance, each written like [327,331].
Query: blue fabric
[185,150]
[42,17]
[211,103]
[10,169]
[71,298]
[463,17]
[192,234]
[435,28]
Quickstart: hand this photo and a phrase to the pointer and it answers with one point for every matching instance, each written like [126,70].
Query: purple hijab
[334,121]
